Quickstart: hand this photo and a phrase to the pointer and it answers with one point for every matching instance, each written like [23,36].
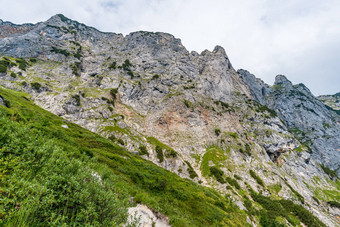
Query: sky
[297,38]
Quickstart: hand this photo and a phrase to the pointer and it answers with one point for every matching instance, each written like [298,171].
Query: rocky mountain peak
[218,50]
[282,80]
[58,20]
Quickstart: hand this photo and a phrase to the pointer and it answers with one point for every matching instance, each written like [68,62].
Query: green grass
[48,177]
[274,210]
[216,156]
[327,170]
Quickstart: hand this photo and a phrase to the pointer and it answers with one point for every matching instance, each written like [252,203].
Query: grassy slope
[48,177]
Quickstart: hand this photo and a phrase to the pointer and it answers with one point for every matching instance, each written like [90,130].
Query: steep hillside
[272,151]
[55,172]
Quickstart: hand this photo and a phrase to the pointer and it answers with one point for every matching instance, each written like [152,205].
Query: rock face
[184,111]
[306,117]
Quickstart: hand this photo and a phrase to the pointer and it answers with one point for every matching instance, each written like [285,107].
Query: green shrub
[327,170]
[218,174]
[334,204]
[110,108]
[14,75]
[130,73]
[233,134]
[248,150]
[233,182]
[187,103]
[126,65]
[298,195]
[120,141]
[217,131]
[24,83]
[143,150]
[191,171]
[5,62]
[159,152]
[223,104]
[237,177]
[78,55]
[248,205]
[257,178]
[112,138]
[113,93]
[33,60]
[262,109]
[155,77]
[304,215]
[170,153]
[35,85]
[77,99]
[22,63]
[60,51]
[3,69]
[7,103]
[113,65]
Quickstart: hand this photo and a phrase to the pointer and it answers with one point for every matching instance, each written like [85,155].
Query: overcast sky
[297,38]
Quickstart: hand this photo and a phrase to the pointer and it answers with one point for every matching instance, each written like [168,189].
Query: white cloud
[267,37]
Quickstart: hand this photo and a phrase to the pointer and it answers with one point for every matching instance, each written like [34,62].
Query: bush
[120,141]
[112,138]
[298,195]
[143,150]
[218,174]
[187,103]
[75,68]
[233,182]
[191,171]
[155,77]
[77,99]
[130,73]
[237,177]
[304,215]
[217,131]
[113,93]
[3,68]
[327,170]
[113,65]
[334,204]
[60,51]
[257,178]
[7,103]
[159,152]
[126,65]
[14,75]
[170,153]
[35,85]
[262,109]
[22,63]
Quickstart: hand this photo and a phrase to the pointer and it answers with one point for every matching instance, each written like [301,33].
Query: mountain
[270,153]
